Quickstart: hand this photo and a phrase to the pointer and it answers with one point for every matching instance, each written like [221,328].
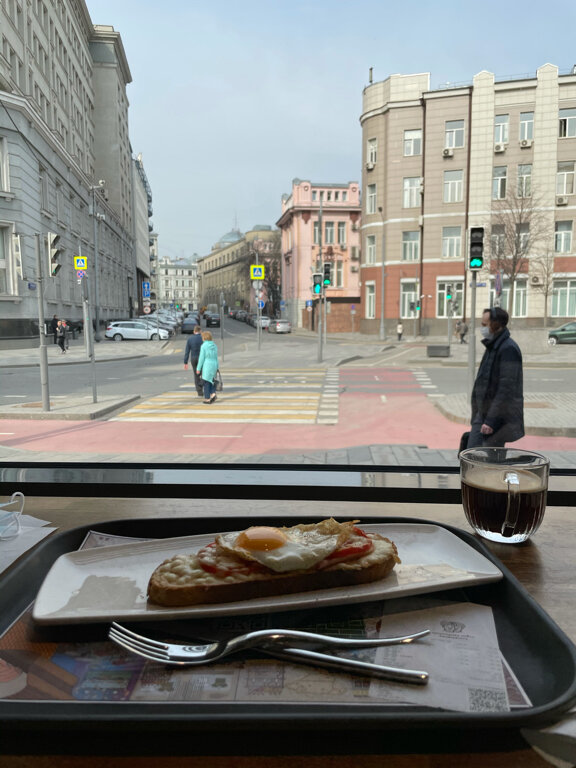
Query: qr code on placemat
[487,700]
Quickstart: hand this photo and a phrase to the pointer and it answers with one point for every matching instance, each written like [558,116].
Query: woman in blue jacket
[207,366]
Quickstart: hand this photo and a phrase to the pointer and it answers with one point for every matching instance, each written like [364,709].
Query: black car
[212,320]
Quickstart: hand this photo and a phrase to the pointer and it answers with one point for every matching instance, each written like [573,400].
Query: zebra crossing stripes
[423,379]
[328,409]
[285,396]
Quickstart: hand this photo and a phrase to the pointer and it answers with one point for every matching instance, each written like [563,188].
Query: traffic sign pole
[472,335]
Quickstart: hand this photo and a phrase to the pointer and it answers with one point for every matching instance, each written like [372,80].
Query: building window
[411,192]
[344,197]
[522,237]
[370,249]
[453,186]
[564,298]
[316,233]
[565,179]
[454,133]
[329,233]
[413,142]
[497,241]
[526,125]
[370,301]
[499,182]
[341,233]
[338,274]
[442,305]
[519,300]
[408,299]
[567,124]
[314,196]
[410,246]
[371,199]
[371,150]
[4,182]
[501,123]
[563,237]
[524,180]
[451,242]
[3,260]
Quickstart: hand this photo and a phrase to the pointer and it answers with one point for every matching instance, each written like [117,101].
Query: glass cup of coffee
[504,492]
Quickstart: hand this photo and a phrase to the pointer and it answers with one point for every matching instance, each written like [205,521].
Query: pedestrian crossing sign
[80,262]
[256,271]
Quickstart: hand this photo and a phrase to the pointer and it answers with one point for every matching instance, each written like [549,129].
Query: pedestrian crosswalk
[256,395]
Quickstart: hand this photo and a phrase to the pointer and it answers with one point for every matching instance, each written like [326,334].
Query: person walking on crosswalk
[208,366]
[192,353]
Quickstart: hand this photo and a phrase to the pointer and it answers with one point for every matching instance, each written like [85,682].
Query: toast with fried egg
[263,561]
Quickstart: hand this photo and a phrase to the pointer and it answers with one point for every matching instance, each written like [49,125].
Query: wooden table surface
[545,566]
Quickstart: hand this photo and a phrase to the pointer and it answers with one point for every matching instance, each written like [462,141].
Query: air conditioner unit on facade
[535,279]
[447,152]
[526,143]
[353,268]
[499,147]
[561,200]
[369,166]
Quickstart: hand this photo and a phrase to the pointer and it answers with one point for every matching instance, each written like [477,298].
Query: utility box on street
[438,350]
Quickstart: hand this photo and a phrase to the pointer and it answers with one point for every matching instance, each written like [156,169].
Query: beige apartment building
[494,154]
[224,273]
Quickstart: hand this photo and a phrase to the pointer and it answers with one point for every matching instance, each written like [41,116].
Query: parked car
[280,325]
[264,321]
[189,324]
[134,329]
[155,322]
[564,334]
[212,320]
[241,315]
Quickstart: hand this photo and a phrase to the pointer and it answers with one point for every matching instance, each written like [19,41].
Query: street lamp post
[382,334]
[96,218]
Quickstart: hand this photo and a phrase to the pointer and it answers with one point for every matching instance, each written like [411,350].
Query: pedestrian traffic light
[476,248]
[54,254]
[418,306]
[317,282]
[327,274]
[448,293]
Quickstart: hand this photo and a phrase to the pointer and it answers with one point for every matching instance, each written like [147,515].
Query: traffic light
[54,254]
[418,306]
[448,293]
[327,274]
[317,282]
[476,248]
[412,306]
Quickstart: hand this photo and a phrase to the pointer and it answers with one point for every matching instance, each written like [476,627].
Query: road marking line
[15,395]
[226,436]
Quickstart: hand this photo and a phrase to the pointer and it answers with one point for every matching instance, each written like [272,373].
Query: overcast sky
[232,99]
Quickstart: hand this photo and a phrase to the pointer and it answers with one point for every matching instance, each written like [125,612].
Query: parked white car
[134,329]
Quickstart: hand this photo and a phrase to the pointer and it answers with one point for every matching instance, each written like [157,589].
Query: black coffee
[485,499]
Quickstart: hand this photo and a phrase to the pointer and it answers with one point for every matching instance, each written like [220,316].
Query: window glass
[410,246]
[565,178]
[372,150]
[454,133]
[411,192]
[370,296]
[453,186]
[451,242]
[525,180]
[413,142]
[408,298]
[526,126]
[370,249]
[567,123]
[501,123]
[563,237]
[371,198]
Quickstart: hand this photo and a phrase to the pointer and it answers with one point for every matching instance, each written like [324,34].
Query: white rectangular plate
[109,583]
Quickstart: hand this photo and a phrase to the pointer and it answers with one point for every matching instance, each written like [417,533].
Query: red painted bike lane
[375,408]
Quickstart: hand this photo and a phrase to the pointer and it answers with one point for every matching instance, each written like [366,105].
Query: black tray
[542,657]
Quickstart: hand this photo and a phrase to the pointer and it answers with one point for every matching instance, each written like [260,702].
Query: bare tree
[519,226]
[268,253]
[542,269]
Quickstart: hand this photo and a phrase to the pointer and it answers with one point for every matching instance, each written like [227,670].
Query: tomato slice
[214,560]
[358,545]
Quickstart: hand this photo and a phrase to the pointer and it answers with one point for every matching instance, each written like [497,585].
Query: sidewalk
[547,414]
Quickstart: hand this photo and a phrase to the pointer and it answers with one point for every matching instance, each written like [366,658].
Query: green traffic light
[317,288]
[476,262]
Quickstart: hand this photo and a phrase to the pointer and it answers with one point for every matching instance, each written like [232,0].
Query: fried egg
[286,549]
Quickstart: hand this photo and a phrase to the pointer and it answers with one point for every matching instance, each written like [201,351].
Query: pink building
[307,245]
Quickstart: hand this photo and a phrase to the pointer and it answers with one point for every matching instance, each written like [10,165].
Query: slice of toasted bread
[181,580]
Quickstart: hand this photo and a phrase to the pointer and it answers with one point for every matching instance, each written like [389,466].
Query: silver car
[133,329]
[280,325]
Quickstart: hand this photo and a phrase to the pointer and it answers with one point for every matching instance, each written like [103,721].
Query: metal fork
[275,642]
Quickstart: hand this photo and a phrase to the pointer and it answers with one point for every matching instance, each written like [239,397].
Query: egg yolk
[261,538]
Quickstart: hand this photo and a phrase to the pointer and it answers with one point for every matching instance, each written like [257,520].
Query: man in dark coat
[497,395]
[54,328]
[192,353]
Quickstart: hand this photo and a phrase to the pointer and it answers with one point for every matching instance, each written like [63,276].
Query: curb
[78,412]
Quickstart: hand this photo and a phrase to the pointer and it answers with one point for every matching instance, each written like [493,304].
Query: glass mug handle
[10,520]
[512,504]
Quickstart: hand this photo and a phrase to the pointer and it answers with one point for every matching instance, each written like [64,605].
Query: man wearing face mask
[497,395]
